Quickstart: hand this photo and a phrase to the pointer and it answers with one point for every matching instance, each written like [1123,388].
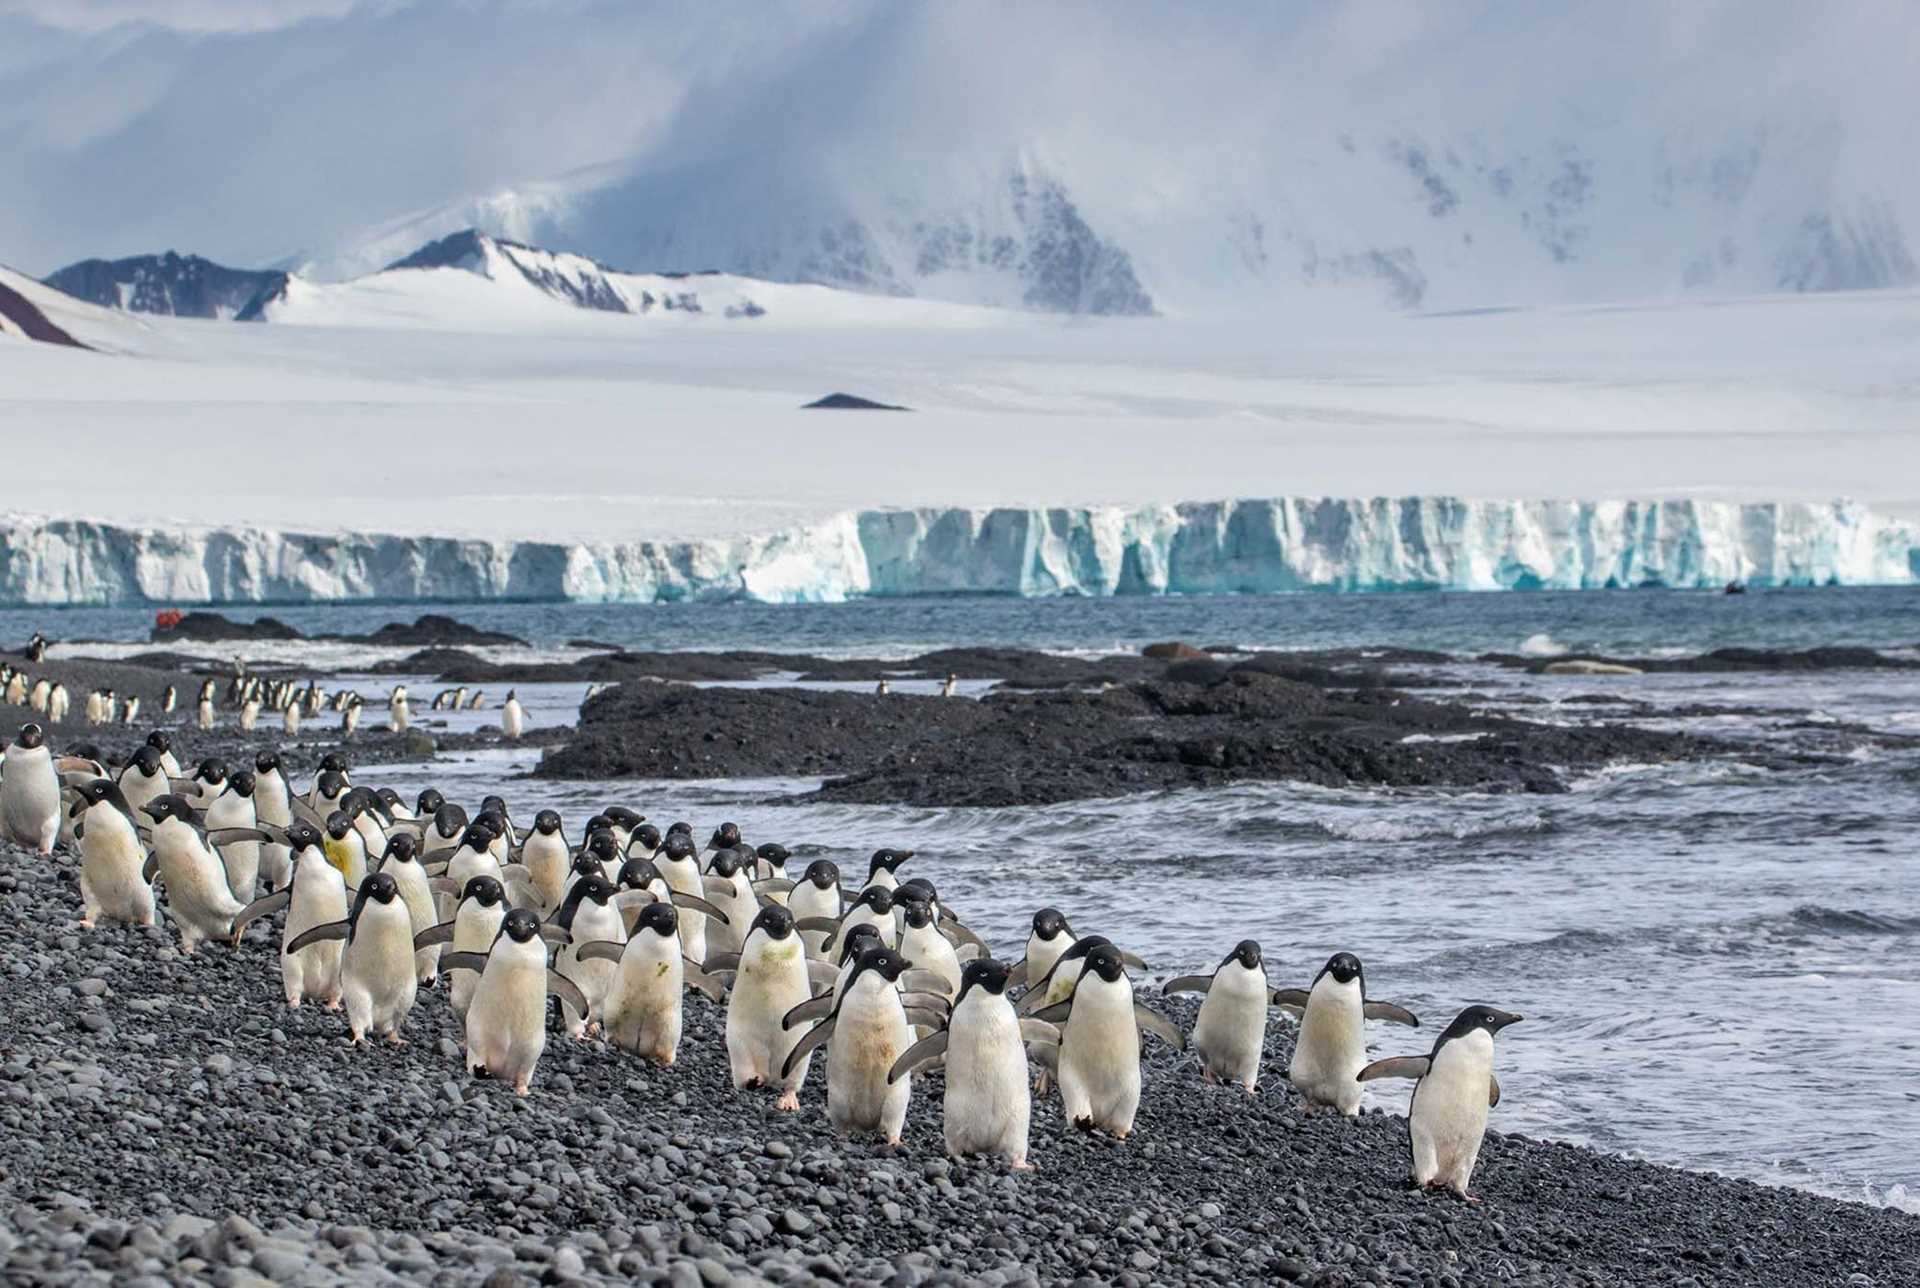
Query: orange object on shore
[167,618]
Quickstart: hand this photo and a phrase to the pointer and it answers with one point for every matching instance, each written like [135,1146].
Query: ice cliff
[1216,547]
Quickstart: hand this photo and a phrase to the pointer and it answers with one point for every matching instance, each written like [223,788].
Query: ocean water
[1719,961]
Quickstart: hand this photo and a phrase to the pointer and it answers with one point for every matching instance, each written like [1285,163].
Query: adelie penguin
[1100,1045]
[199,899]
[1453,1091]
[545,854]
[1231,1029]
[314,895]
[476,922]
[112,887]
[817,897]
[272,806]
[30,791]
[1332,1046]
[377,980]
[507,1016]
[590,914]
[641,1010]
[987,1106]
[867,1033]
[771,980]
[1050,937]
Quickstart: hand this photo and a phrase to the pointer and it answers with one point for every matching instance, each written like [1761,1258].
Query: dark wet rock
[1172,651]
[434,630]
[849,402]
[203,626]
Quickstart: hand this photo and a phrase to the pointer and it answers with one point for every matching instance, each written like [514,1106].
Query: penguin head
[478,837]
[724,863]
[985,973]
[493,805]
[725,837]
[162,808]
[333,763]
[881,961]
[588,864]
[679,846]
[622,817]
[547,822]
[773,855]
[596,824]
[401,848]
[920,888]
[1246,953]
[380,887]
[240,782]
[161,741]
[647,836]
[603,847]
[486,890]
[211,770]
[858,940]
[878,898]
[823,874]
[683,827]
[338,825]
[886,861]
[919,912]
[267,762]
[92,793]
[449,821]
[390,798]
[31,735]
[146,760]
[428,803]
[521,925]
[1344,967]
[332,784]
[302,835]
[1105,962]
[1048,923]
[773,920]
[1478,1016]
[638,874]
[495,821]
[660,918]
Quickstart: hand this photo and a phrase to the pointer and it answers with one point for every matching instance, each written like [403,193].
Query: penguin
[130,709]
[966,945]
[377,981]
[203,710]
[111,857]
[1231,1029]
[272,806]
[513,721]
[144,777]
[772,979]
[346,849]
[30,791]
[314,894]
[400,859]
[866,1034]
[987,1106]
[645,842]
[398,714]
[507,1016]
[1453,1089]
[880,868]
[950,686]
[208,781]
[922,943]
[16,689]
[882,689]
[545,854]
[873,906]
[169,699]
[37,647]
[1100,1045]
[476,921]
[1051,936]
[162,741]
[331,779]
[290,720]
[1332,1046]
[590,914]
[428,803]
[1057,985]
[770,864]
[234,808]
[369,814]
[249,713]
[817,897]
[640,874]
[725,837]
[677,864]
[57,704]
[198,897]
[350,718]
[729,887]
[642,1008]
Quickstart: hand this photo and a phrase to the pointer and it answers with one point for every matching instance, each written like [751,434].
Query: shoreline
[284,1152]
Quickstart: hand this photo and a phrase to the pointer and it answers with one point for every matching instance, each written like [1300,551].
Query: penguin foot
[394,1039]
[521,1088]
[293,1003]
[1252,1088]
[86,923]
[333,1004]
[1021,1165]
[789,1102]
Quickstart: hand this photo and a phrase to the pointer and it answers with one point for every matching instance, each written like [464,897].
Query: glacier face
[1198,548]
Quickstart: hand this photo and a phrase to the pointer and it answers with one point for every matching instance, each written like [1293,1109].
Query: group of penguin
[380,899]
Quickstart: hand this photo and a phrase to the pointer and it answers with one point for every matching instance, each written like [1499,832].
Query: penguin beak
[1505,1018]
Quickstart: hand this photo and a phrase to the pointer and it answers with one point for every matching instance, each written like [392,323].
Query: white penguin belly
[507,1021]
[319,897]
[1232,1025]
[772,980]
[988,1104]
[30,798]
[475,927]
[869,1036]
[111,858]
[1331,1050]
[376,970]
[1100,1058]
[642,1009]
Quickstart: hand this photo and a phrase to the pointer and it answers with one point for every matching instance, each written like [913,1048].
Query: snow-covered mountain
[31,310]
[1284,544]
[178,285]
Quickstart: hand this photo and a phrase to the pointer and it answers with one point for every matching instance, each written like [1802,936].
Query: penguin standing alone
[1231,1029]
[1454,1089]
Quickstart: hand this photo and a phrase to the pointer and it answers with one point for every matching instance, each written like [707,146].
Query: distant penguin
[169,699]
[950,685]
[112,887]
[1100,1047]
[513,721]
[1454,1089]
[988,1104]
[30,791]
[817,896]
[1332,1046]
[37,648]
[867,1033]
[314,895]
[882,689]
[478,701]
[398,713]
[199,900]
[290,720]
[17,689]
[57,704]
[249,714]
[349,718]
[377,981]
[130,709]
[37,698]
[771,980]
[1231,1029]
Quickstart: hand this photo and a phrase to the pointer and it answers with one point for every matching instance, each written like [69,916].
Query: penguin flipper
[516,872]
[1054,1014]
[925,1017]
[567,991]
[305,813]
[523,894]
[555,934]
[1048,1055]
[1017,977]
[822,974]
[1158,1025]
[150,868]
[1133,959]
[814,1008]
[774,885]
[959,934]
[320,934]
[1187,984]
[1399,1066]
[463,961]
[914,981]
[721,961]
[830,926]
[936,1002]
[816,1036]
[1391,1013]
[260,908]
[438,934]
[918,1056]
[695,902]
[1493,1091]
[1291,999]
[1032,1030]
[238,835]
[717,887]
[444,885]
[633,899]
[712,985]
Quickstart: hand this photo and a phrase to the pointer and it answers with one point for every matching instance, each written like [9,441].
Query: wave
[1260,546]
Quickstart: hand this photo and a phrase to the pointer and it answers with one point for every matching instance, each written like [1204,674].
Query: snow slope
[1232,547]
[88,324]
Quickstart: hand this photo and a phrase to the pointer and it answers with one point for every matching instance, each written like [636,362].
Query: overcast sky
[250,130]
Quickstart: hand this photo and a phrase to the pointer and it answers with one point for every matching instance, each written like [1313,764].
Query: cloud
[199,16]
